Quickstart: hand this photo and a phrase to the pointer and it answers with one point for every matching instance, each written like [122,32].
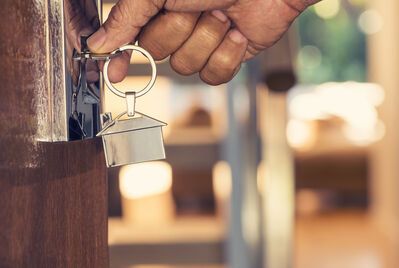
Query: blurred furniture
[188,241]
[341,173]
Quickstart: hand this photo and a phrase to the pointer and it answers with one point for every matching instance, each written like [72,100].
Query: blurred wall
[383,54]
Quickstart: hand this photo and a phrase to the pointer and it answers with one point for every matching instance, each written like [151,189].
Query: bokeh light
[145,179]
[327,9]
[309,57]
[370,21]
[354,103]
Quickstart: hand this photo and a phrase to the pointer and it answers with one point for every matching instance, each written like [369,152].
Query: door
[53,196]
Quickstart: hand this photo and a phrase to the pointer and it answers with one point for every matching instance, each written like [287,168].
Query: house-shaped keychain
[132,140]
[136,139]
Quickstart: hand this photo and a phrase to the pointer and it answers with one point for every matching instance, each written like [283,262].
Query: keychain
[126,141]
[137,138]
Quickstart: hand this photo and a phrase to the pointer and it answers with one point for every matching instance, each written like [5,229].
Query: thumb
[123,24]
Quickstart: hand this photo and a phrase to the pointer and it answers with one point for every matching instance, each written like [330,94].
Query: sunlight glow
[222,180]
[327,9]
[300,133]
[370,21]
[354,103]
[145,179]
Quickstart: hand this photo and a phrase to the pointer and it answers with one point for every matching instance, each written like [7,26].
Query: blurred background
[292,164]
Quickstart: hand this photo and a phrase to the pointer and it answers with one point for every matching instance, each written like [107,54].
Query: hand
[198,34]
[81,18]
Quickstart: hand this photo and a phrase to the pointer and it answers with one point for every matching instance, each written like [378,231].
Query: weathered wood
[53,196]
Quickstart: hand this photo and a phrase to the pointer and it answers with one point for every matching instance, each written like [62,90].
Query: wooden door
[53,196]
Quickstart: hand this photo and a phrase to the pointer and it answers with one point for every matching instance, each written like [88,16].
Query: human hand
[81,18]
[210,37]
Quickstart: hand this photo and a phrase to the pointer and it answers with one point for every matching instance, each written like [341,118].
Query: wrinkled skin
[208,37]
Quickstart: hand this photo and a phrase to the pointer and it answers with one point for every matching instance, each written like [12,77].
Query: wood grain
[53,196]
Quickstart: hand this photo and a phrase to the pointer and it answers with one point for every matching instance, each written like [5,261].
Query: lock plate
[60,123]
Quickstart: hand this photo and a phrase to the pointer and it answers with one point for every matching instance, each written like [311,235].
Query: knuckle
[155,37]
[153,47]
[180,22]
[219,70]
[151,7]
[117,17]
[182,65]
[212,78]
[224,62]
[170,4]
[158,4]
[210,34]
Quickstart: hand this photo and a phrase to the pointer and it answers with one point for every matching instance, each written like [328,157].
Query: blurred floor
[341,239]
[345,239]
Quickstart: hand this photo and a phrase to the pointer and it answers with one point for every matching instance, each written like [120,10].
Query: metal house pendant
[132,140]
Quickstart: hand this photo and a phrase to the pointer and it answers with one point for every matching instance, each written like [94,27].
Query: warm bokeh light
[221,174]
[364,137]
[300,133]
[222,184]
[354,103]
[307,202]
[145,179]
[309,57]
[327,9]
[370,21]
[306,106]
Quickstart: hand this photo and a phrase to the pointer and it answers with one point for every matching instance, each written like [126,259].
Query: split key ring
[153,75]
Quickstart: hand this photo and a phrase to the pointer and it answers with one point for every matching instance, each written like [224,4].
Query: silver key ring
[153,76]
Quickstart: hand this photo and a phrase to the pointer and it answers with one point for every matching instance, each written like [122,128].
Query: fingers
[203,47]
[123,24]
[91,11]
[81,19]
[192,56]
[77,23]
[119,66]
[226,60]
[205,50]
[167,32]
[92,71]
[128,16]
[195,5]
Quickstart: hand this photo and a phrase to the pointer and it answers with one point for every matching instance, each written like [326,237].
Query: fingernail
[96,41]
[237,37]
[219,15]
